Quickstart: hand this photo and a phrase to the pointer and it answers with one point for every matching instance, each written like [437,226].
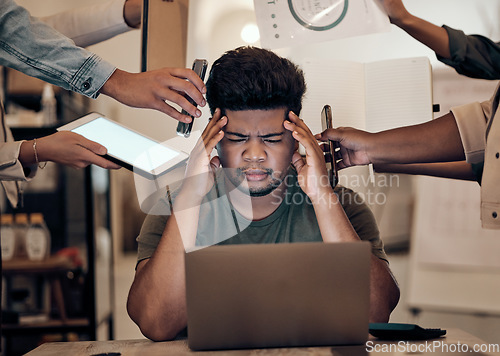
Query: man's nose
[254,151]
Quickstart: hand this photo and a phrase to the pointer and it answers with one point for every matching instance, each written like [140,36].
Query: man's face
[256,147]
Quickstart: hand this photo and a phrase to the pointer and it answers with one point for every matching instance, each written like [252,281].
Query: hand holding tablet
[127,147]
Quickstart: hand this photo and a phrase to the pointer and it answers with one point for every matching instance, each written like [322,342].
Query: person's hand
[132,12]
[200,168]
[151,89]
[395,9]
[353,145]
[311,171]
[69,149]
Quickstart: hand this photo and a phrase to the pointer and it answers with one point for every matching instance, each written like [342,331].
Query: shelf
[53,325]
[53,264]
[74,211]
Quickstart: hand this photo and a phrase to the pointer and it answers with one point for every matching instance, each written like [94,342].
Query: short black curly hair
[252,78]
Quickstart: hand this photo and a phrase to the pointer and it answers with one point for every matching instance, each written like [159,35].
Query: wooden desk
[150,348]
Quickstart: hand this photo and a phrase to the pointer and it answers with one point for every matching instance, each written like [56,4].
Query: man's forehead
[261,122]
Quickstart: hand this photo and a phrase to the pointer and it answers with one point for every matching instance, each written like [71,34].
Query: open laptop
[278,295]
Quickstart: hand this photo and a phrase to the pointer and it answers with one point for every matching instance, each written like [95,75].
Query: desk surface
[456,340]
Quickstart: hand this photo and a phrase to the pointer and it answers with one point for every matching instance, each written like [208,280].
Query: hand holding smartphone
[200,68]
[331,164]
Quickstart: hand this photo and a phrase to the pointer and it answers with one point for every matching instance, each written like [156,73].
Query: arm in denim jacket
[37,50]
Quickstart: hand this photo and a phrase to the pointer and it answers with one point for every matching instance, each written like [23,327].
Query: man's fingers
[299,122]
[214,124]
[297,161]
[212,134]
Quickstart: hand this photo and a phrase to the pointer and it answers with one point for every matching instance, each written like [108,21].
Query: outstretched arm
[434,141]
[66,148]
[475,56]
[454,170]
[434,37]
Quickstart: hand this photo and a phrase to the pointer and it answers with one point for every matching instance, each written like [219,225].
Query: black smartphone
[402,331]
[200,68]
[331,164]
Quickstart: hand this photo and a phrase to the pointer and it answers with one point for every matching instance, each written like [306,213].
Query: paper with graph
[286,23]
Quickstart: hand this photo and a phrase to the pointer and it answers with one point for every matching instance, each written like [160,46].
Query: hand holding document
[295,22]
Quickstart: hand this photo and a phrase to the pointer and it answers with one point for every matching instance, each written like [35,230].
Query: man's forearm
[332,220]
[384,291]
[434,141]
[157,298]
[454,170]
[156,301]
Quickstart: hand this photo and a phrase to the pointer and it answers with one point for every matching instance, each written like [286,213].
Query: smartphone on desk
[200,68]
[127,147]
[331,164]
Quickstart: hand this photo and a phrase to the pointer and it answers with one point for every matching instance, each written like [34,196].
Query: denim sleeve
[475,56]
[30,46]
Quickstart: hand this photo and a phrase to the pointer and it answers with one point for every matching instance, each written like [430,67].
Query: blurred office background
[446,266]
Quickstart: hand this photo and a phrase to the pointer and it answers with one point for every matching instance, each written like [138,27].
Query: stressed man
[258,189]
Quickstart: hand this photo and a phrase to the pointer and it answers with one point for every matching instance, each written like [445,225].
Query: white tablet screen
[126,145]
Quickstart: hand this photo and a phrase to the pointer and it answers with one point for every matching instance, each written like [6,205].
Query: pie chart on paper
[318,15]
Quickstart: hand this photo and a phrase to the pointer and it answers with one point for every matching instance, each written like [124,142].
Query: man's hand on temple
[200,169]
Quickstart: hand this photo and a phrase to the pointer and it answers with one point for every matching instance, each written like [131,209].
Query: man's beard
[237,176]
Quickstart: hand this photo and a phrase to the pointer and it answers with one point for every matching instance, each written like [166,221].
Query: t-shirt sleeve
[362,219]
[150,235]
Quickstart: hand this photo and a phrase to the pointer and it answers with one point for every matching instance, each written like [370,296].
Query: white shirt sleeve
[471,120]
[91,24]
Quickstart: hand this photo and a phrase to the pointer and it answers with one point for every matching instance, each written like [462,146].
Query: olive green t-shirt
[293,221]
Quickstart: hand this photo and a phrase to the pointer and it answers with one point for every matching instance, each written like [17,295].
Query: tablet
[127,147]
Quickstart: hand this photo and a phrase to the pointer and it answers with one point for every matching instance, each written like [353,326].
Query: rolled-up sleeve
[10,166]
[471,121]
[475,56]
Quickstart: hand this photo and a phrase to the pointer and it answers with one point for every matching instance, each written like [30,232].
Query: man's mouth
[255,175]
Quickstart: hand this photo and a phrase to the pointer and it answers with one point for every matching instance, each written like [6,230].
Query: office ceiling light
[250,33]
